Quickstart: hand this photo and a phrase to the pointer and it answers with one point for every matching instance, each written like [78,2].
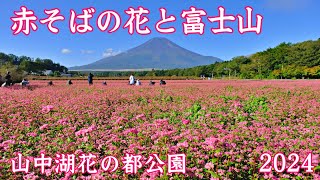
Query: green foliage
[31,65]
[56,74]
[195,112]
[168,99]
[228,98]
[195,108]
[256,103]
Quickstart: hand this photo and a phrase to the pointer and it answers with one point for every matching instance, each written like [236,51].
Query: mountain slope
[157,53]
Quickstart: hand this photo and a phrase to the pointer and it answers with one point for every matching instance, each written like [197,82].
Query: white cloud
[65,51]
[110,52]
[87,51]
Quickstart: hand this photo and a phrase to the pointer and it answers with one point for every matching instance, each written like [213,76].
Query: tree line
[21,66]
[287,60]
[30,65]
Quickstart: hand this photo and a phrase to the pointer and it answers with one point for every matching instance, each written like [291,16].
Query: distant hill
[287,60]
[157,53]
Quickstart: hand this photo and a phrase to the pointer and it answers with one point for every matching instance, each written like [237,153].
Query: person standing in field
[90,79]
[131,80]
[8,79]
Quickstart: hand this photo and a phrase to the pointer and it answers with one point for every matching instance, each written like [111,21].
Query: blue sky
[284,21]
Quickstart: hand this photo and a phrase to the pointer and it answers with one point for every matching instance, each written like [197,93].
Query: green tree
[56,74]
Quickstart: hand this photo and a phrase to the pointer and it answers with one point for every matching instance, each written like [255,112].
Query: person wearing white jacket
[24,82]
[131,80]
[138,83]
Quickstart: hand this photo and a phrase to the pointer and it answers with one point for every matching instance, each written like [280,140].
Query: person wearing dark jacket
[151,83]
[90,79]
[8,79]
[69,82]
[162,82]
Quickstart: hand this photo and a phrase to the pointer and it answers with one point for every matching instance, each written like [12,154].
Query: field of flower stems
[223,127]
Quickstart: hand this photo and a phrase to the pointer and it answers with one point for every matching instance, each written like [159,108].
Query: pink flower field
[223,128]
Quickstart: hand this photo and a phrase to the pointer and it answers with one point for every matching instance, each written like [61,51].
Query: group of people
[90,81]
[133,81]
[8,81]
[25,82]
